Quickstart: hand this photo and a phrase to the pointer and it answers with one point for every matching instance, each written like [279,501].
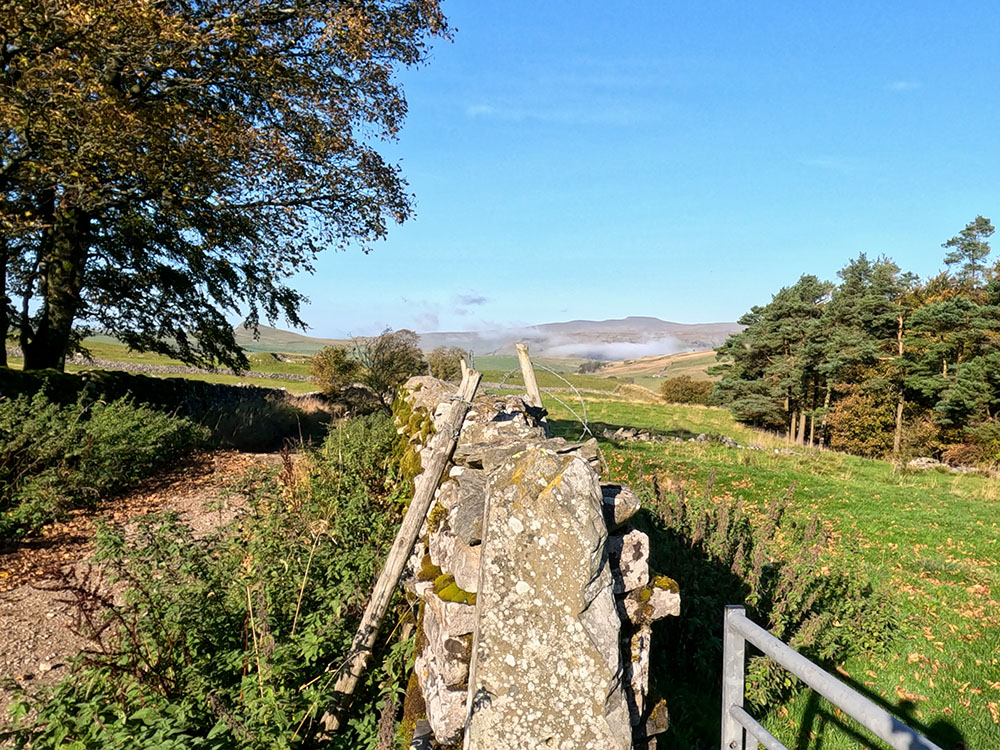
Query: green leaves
[203,652]
[179,161]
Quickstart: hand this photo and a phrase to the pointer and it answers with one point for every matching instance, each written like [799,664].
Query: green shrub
[863,423]
[684,390]
[234,641]
[245,417]
[445,362]
[55,457]
[724,553]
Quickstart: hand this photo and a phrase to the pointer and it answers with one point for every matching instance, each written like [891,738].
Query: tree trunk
[800,438]
[4,302]
[63,255]
[826,410]
[791,420]
[897,438]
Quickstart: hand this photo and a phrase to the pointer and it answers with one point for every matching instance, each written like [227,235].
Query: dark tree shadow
[570,430]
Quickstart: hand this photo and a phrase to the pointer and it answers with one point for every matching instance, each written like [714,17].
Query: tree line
[880,363]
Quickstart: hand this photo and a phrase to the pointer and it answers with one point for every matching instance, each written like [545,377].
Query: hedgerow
[54,457]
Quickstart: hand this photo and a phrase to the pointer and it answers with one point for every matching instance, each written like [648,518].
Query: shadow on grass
[819,715]
[571,429]
[686,667]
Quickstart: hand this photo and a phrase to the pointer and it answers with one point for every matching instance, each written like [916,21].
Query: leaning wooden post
[530,384]
[441,447]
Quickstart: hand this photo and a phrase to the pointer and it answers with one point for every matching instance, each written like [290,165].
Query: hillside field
[930,538]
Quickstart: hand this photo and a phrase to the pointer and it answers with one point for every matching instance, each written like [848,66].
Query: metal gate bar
[738,631]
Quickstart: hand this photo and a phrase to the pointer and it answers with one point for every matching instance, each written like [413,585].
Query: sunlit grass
[931,537]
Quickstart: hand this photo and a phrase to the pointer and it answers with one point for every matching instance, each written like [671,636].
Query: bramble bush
[234,640]
[56,457]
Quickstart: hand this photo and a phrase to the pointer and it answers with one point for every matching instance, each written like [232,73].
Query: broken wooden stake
[530,384]
[441,447]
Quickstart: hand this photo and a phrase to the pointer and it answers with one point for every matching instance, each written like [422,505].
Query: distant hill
[693,364]
[626,338]
[278,340]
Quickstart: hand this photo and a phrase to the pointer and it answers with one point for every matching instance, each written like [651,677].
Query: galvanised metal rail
[735,721]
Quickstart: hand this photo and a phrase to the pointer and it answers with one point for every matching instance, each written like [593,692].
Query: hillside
[693,364]
[279,340]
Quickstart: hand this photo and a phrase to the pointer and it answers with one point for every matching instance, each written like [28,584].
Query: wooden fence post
[530,384]
[441,447]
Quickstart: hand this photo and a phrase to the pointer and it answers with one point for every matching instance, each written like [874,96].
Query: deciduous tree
[164,163]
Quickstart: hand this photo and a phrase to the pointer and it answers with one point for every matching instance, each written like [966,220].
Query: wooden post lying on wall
[530,384]
[441,447]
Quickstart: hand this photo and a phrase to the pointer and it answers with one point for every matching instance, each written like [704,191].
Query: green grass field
[102,348]
[931,538]
[508,362]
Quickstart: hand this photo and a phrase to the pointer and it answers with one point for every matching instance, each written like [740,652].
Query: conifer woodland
[881,363]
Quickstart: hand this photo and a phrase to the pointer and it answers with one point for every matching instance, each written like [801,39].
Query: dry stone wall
[535,594]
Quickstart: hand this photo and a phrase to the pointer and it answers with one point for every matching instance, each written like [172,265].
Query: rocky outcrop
[535,592]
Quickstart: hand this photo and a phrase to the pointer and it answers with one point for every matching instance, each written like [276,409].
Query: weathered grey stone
[620,504]
[658,720]
[486,456]
[653,601]
[628,553]
[588,450]
[441,543]
[500,417]
[446,654]
[445,705]
[425,392]
[637,672]
[463,564]
[545,576]
[456,618]
[466,518]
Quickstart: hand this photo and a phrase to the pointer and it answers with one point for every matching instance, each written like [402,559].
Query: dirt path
[36,642]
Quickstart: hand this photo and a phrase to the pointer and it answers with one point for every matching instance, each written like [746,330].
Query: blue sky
[672,158]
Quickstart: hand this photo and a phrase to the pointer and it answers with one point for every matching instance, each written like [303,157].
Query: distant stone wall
[534,593]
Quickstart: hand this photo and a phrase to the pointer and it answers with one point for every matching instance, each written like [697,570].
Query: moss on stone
[436,517]
[428,570]
[415,428]
[666,583]
[448,591]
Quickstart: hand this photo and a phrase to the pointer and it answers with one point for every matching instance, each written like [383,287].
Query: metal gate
[740,731]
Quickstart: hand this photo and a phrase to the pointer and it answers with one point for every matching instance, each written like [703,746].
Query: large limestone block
[628,554]
[493,418]
[546,667]
[620,504]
